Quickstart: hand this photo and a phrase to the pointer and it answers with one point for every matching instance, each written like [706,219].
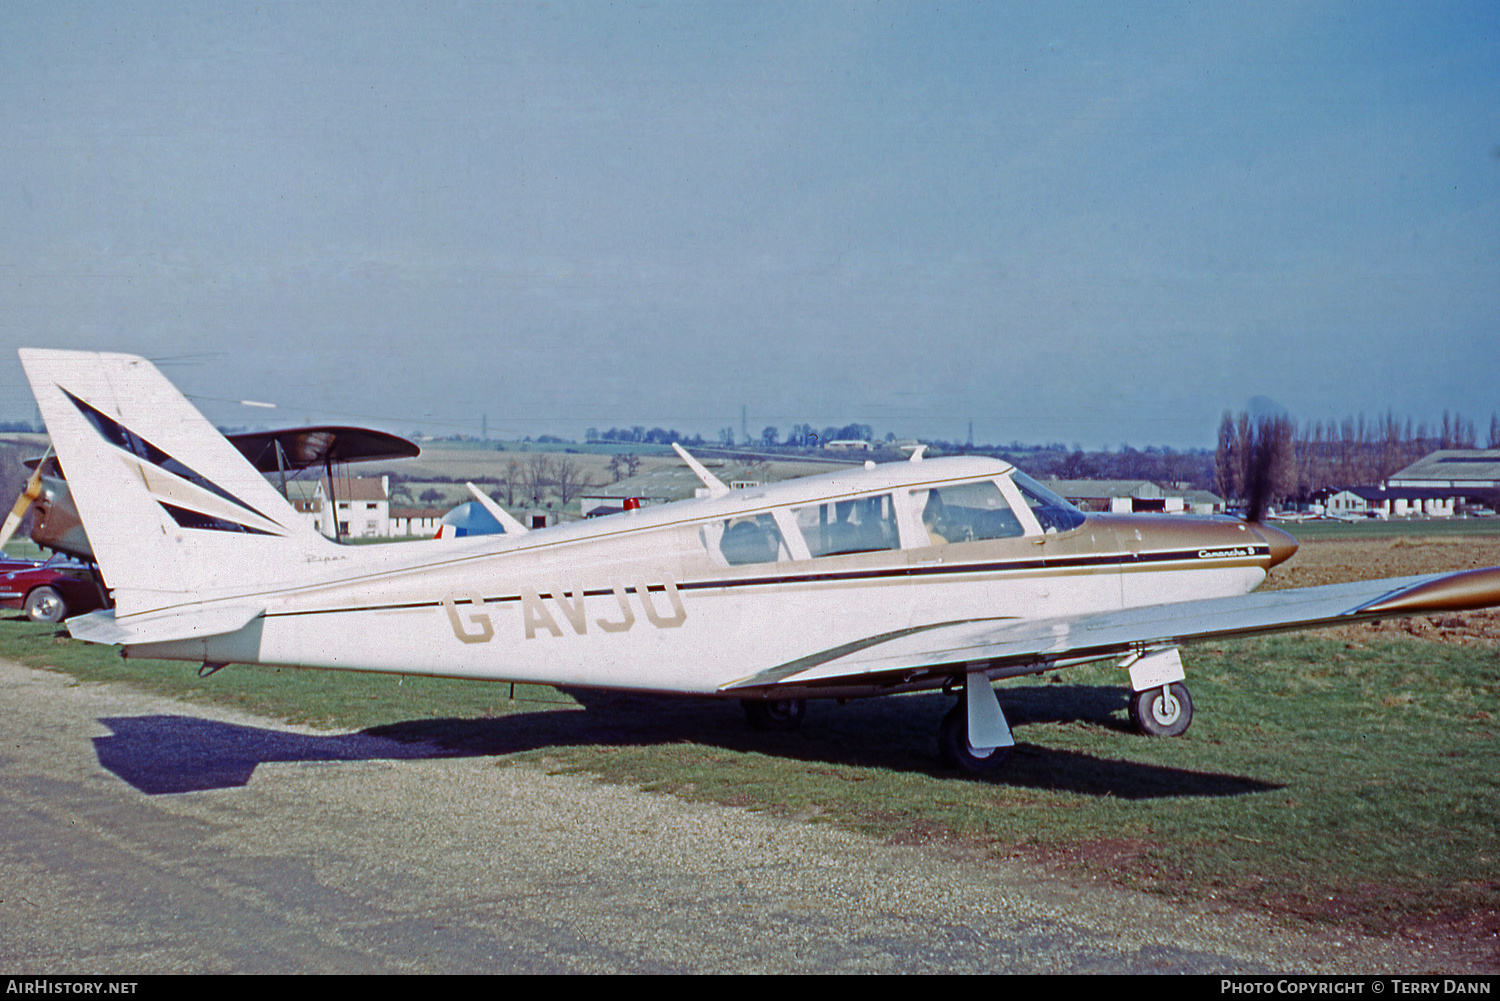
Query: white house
[363,506]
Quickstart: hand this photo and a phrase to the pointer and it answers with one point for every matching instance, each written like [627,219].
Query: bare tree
[621,466]
[568,477]
[537,475]
[510,481]
[1230,457]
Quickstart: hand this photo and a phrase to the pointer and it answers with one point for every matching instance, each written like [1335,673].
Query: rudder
[174,512]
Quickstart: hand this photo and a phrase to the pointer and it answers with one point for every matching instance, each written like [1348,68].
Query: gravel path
[143,835]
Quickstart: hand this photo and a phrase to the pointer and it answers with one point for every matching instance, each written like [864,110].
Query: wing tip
[1464,590]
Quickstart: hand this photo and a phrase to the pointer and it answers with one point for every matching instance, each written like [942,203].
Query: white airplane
[939,573]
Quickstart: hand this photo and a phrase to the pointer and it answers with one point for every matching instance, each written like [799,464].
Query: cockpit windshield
[1051,511]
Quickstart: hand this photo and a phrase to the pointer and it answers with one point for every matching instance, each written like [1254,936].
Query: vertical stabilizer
[174,512]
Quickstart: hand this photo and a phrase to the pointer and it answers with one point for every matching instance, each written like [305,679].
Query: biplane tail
[175,514]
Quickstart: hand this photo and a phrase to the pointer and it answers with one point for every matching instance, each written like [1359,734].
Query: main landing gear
[774,714]
[1160,706]
[1162,712]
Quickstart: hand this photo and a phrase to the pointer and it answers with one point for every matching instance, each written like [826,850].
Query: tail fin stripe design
[176,515]
[193,519]
[127,440]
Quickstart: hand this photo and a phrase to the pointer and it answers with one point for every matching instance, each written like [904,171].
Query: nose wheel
[974,736]
[958,753]
[1166,711]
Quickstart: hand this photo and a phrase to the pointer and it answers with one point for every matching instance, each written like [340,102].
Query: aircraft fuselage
[673,599]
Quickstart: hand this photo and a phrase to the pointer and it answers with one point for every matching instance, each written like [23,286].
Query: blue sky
[1097,223]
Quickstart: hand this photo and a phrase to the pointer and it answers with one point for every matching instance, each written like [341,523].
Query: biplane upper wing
[309,447]
[986,644]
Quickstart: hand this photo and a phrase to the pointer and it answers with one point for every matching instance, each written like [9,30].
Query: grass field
[1309,531]
[1338,781]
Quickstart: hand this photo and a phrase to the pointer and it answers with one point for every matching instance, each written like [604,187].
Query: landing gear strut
[1162,712]
[1160,706]
[974,736]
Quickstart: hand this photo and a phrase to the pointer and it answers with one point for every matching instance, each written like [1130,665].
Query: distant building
[419,522]
[1392,502]
[1134,497]
[1469,478]
[674,483]
[1472,471]
[361,506]
[659,486]
[1201,501]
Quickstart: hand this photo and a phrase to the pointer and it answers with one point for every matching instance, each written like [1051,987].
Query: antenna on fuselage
[716,487]
[505,518]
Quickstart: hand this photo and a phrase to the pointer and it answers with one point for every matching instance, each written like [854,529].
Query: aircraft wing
[303,448]
[986,644]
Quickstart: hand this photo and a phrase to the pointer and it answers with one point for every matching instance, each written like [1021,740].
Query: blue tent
[471,519]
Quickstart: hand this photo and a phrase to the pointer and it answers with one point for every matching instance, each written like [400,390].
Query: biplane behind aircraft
[938,573]
[55,523]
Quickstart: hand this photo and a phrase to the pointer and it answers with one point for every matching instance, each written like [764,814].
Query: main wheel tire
[1158,714]
[45,604]
[775,714]
[957,752]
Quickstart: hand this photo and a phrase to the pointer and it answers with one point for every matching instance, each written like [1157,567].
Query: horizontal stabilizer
[103,627]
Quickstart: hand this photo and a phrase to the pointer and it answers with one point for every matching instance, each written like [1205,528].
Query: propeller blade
[23,503]
[1260,482]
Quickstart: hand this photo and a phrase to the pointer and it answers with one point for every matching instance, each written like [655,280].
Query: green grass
[1343,782]
[1318,530]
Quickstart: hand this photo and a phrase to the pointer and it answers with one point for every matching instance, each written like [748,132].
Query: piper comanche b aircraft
[938,573]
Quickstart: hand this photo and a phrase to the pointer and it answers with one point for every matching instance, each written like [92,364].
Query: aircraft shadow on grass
[164,754]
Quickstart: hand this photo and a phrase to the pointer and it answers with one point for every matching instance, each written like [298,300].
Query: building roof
[667,483]
[418,512]
[1394,493]
[1105,488]
[1478,467]
[362,488]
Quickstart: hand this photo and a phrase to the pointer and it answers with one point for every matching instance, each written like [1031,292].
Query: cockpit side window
[1052,512]
[966,512]
[859,525]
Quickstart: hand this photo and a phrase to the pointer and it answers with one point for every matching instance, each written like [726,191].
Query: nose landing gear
[974,736]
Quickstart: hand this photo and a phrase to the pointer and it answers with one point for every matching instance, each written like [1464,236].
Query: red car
[51,591]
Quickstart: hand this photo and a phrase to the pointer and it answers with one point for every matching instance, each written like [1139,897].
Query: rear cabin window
[966,512]
[861,525]
[746,540]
